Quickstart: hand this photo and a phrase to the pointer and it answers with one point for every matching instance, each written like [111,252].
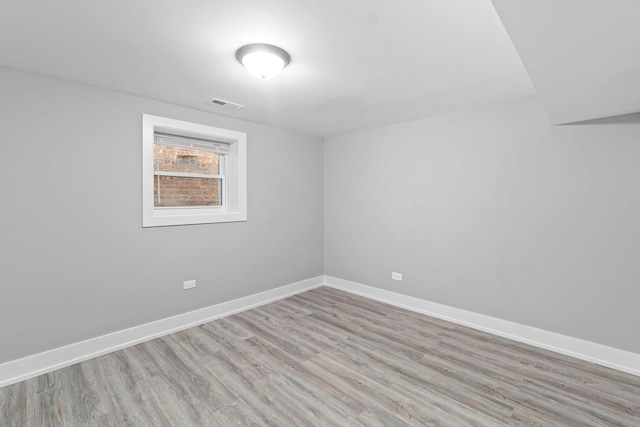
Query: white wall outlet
[189,284]
[396,276]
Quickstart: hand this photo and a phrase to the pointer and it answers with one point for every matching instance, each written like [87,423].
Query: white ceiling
[583,56]
[356,64]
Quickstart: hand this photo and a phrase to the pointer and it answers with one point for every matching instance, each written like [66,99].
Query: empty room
[320,213]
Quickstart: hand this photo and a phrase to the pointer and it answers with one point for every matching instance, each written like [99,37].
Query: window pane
[177,159]
[172,191]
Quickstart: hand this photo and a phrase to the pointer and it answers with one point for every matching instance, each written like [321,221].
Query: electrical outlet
[189,284]
[396,276]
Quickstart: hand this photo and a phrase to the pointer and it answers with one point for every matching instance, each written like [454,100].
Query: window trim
[235,181]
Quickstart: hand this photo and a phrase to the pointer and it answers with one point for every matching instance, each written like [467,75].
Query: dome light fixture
[263,60]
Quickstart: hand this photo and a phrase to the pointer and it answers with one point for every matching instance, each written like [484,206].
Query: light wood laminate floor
[326,358]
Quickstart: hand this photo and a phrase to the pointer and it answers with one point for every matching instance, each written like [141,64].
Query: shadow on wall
[613,120]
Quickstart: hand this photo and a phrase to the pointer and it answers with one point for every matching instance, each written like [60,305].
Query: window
[188,171]
[192,174]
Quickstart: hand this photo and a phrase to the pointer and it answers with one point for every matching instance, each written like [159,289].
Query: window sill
[189,216]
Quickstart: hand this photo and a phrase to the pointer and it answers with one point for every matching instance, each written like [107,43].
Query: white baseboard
[41,363]
[610,357]
[48,361]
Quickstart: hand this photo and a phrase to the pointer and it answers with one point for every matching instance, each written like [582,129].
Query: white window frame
[234,203]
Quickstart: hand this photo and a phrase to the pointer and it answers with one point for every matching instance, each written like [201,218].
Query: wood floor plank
[272,333]
[11,402]
[562,377]
[425,410]
[327,358]
[423,384]
[82,394]
[374,417]
[274,405]
[134,395]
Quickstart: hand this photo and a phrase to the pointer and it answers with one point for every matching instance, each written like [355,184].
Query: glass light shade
[263,65]
[262,60]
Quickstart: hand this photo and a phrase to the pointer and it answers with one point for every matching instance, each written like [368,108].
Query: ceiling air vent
[226,105]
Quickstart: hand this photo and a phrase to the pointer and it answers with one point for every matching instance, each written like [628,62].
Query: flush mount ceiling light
[263,60]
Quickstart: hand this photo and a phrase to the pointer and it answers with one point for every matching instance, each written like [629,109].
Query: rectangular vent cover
[227,105]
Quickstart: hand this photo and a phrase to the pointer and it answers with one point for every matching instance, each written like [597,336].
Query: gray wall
[493,210]
[490,210]
[75,261]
